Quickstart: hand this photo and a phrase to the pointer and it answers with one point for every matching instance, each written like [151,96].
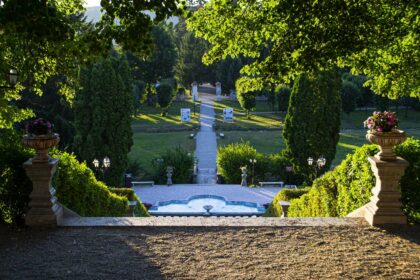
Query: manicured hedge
[140,210]
[410,182]
[180,160]
[76,185]
[78,189]
[274,208]
[267,168]
[349,186]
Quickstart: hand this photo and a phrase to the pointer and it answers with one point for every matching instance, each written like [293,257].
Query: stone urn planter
[386,142]
[41,144]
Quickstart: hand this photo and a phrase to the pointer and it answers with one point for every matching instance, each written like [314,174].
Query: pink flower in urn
[39,127]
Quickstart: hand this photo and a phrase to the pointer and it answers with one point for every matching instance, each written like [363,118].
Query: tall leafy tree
[42,39]
[189,67]
[227,72]
[103,116]
[160,64]
[165,95]
[376,38]
[247,100]
[312,122]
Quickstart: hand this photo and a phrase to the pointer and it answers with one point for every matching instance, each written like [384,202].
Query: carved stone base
[385,205]
[44,209]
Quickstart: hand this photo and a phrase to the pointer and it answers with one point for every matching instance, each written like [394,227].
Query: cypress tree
[313,121]
[103,117]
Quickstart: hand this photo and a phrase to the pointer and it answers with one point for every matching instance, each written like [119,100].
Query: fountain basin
[198,205]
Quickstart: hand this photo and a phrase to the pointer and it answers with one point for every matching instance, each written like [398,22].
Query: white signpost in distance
[228,114]
[185,114]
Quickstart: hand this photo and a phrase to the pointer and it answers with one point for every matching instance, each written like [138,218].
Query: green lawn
[150,119]
[409,119]
[148,146]
[270,142]
[241,122]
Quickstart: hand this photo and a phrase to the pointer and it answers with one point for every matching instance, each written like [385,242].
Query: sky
[92,3]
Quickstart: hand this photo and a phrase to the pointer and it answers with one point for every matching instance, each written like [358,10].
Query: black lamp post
[253,161]
[12,78]
[320,163]
[102,166]
[289,170]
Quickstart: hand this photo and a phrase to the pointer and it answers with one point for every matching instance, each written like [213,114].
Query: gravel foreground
[211,253]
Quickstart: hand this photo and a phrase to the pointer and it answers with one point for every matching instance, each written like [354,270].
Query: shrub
[274,208]
[267,168]
[78,189]
[320,201]
[349,186]
[231,157]
[247,100]
[410,182]
[15,186]
[355,180]
[350,94]
[164,96]
[140,210]
[283,96]
[180,160]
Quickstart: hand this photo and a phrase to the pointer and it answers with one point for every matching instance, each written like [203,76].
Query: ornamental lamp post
[289,170]
[12,78]
[320,163]
[106,164]
[253,161]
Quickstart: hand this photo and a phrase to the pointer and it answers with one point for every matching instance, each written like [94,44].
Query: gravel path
[211,253]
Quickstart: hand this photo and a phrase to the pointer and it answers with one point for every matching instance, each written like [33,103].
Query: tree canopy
[42,39]
[377,38]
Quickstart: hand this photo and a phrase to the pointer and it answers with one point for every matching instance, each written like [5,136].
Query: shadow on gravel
[411,233]
[74,253]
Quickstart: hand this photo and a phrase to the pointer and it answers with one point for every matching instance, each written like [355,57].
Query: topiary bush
[231,157]
[267,168]
[140,210]
[78,189]
[274,208]
[180,160]
[15,186]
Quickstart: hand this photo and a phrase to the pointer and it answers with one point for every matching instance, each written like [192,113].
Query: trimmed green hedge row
[267,168]
[349,186]
[140,210]
[274,209]
[77,187]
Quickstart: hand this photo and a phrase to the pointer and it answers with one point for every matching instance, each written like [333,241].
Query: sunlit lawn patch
[148,146]
[150,118]
[241,122]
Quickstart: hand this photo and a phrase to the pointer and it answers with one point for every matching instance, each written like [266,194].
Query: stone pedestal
[44,209]
[385,205]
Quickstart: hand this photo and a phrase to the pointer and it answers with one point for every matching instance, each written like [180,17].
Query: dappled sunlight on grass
[150,118]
